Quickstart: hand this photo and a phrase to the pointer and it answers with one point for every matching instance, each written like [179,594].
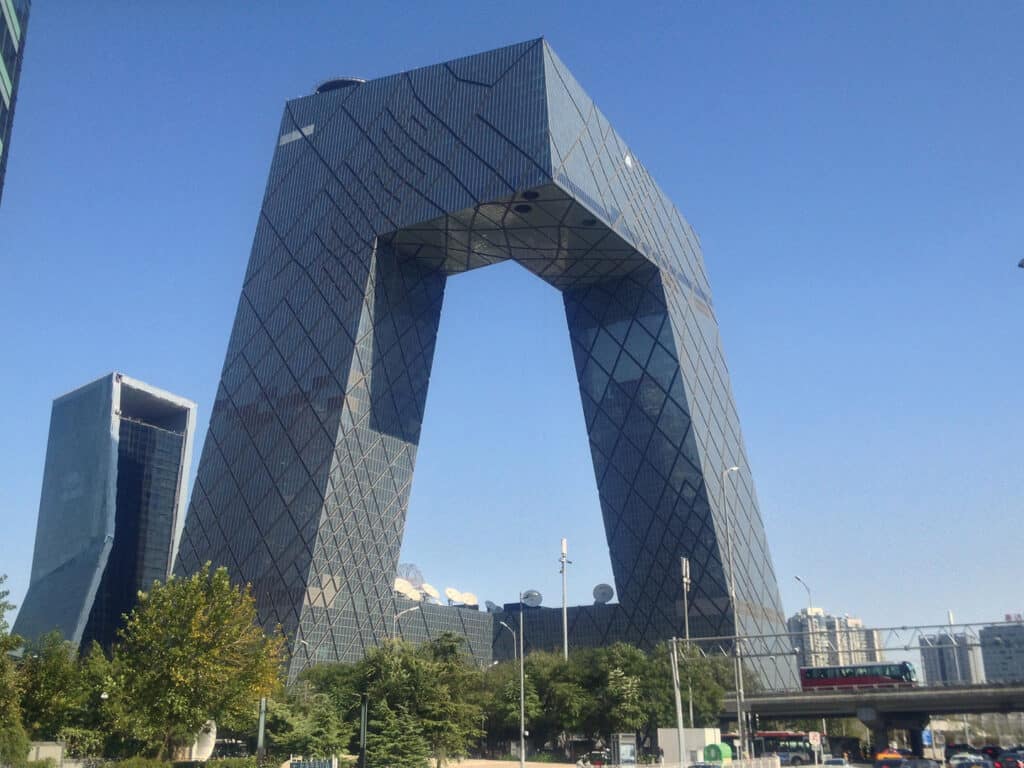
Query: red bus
[899,674]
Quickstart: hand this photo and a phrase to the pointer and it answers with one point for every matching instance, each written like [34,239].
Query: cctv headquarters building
[379,192]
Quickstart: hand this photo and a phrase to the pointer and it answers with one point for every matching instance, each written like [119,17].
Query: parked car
[992,751]
[952,749]
[889,760]
[919,762]
[970,760]
[1009,760]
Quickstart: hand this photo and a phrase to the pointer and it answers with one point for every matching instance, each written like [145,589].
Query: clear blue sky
[856,174]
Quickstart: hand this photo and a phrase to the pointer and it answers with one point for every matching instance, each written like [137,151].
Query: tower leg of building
[351,601]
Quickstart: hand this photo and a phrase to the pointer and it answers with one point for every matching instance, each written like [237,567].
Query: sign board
[814,738]
[926,737]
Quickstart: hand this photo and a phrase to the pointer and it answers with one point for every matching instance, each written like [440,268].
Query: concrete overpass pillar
[916,741]
[879,728]
[879,736]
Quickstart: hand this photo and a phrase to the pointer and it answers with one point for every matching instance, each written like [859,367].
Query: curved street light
[535,599]
[394,620]
[515,651]
[737,650]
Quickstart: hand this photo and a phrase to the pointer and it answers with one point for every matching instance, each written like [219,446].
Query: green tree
[450,718]
[500,706]
[612,677]
[395,739]
[50,689]
[192,651]
[697,672]
[14,742]
[563,699]
[307,724]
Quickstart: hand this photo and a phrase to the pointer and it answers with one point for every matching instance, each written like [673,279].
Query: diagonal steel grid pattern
[378,192]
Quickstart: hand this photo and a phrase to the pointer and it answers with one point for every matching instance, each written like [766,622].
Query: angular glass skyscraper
[13,25]
[378,193]
[112,506]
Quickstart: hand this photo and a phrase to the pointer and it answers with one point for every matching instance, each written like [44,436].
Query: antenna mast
[564,560]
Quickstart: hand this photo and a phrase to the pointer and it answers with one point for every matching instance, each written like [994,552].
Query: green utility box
[717,753]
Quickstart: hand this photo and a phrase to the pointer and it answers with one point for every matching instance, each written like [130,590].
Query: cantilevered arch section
[378,192]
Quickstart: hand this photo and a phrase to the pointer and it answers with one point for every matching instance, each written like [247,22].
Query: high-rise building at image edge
[111,509]
[821,639]
[378,193]
[13,26]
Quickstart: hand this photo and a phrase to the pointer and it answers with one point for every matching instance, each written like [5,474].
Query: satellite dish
[470,599]
[427,589]
[453,595]
[531,598]
[492,607]
[406,589]
[603,593]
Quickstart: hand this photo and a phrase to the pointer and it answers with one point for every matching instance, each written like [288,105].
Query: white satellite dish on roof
[453,595]
[405,589]
[531,598]
[492,607]
[469,598]
[427,589]
[603,593]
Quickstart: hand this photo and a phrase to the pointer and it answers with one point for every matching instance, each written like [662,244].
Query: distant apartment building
[13,25]
[950,658]
[1002,651]
[111,509]
[823,640]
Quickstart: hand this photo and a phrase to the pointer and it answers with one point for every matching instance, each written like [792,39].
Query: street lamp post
[394,619]
[564,560]
[515,650]
[530,598]
[680,733]
[522,689]
[684,565]
[737,651]
[809,653]
[810,636]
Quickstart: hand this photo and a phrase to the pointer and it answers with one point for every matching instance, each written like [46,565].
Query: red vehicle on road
[896,674]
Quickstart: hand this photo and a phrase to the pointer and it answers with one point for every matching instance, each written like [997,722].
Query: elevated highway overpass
[883,708]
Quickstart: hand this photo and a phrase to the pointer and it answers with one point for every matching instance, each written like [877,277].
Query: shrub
[143,762]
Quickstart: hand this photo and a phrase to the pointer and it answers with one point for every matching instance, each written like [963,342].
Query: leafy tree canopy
[192,651]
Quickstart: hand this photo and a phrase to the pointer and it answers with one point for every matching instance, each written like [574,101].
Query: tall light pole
[802,583]
[532,598]
[522,690]
[737,652]
[515,650]
[684,567]
[394,619]
[808,638]
[564,560]
[680,732]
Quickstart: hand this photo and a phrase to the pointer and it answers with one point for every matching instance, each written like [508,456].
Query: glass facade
[148,473]
[378,193]
[13,25]
[111,506]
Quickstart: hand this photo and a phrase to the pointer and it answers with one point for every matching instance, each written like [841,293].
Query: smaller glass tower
[13,24]
[112,506]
